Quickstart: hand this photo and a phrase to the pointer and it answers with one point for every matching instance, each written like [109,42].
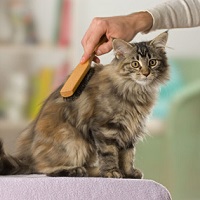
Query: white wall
[45,13]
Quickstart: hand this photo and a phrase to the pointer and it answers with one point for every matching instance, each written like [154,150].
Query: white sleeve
[176,14]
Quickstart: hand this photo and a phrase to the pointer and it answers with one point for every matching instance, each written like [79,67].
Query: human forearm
[140,22]
[176,14]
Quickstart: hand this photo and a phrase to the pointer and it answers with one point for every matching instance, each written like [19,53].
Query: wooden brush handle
[78,74]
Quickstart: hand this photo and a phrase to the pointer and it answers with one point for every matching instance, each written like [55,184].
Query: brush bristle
[82,85]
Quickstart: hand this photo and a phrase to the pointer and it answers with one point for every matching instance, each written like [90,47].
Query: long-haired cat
[94,133]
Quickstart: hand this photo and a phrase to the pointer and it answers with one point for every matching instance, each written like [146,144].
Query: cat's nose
[145,72]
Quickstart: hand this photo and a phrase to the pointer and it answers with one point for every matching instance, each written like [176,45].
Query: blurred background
[40,43]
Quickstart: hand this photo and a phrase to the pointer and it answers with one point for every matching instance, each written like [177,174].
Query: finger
[89,47]
[91,38]
[96,59]
[104,48]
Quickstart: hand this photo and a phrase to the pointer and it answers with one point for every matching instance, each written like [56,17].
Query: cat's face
[143,62]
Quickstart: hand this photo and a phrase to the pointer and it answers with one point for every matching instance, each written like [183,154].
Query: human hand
[123,27]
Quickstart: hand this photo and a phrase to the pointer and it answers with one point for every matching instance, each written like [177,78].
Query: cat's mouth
[144,80]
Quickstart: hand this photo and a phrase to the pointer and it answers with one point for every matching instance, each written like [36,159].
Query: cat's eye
[135,64]
[152,62]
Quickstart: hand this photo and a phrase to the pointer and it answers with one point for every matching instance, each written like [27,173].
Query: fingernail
[83,59]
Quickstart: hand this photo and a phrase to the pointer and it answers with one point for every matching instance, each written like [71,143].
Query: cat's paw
[69,172]
[113,173]
[135,174]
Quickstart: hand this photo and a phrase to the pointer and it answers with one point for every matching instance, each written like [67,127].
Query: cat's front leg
[126,163]
[108,159]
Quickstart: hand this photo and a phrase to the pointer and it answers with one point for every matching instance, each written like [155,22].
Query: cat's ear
[160,41]
[121,48]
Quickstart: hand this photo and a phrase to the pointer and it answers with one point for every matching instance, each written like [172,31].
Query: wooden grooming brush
[79,73]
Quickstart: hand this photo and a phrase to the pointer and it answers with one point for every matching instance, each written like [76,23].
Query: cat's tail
[10,165]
